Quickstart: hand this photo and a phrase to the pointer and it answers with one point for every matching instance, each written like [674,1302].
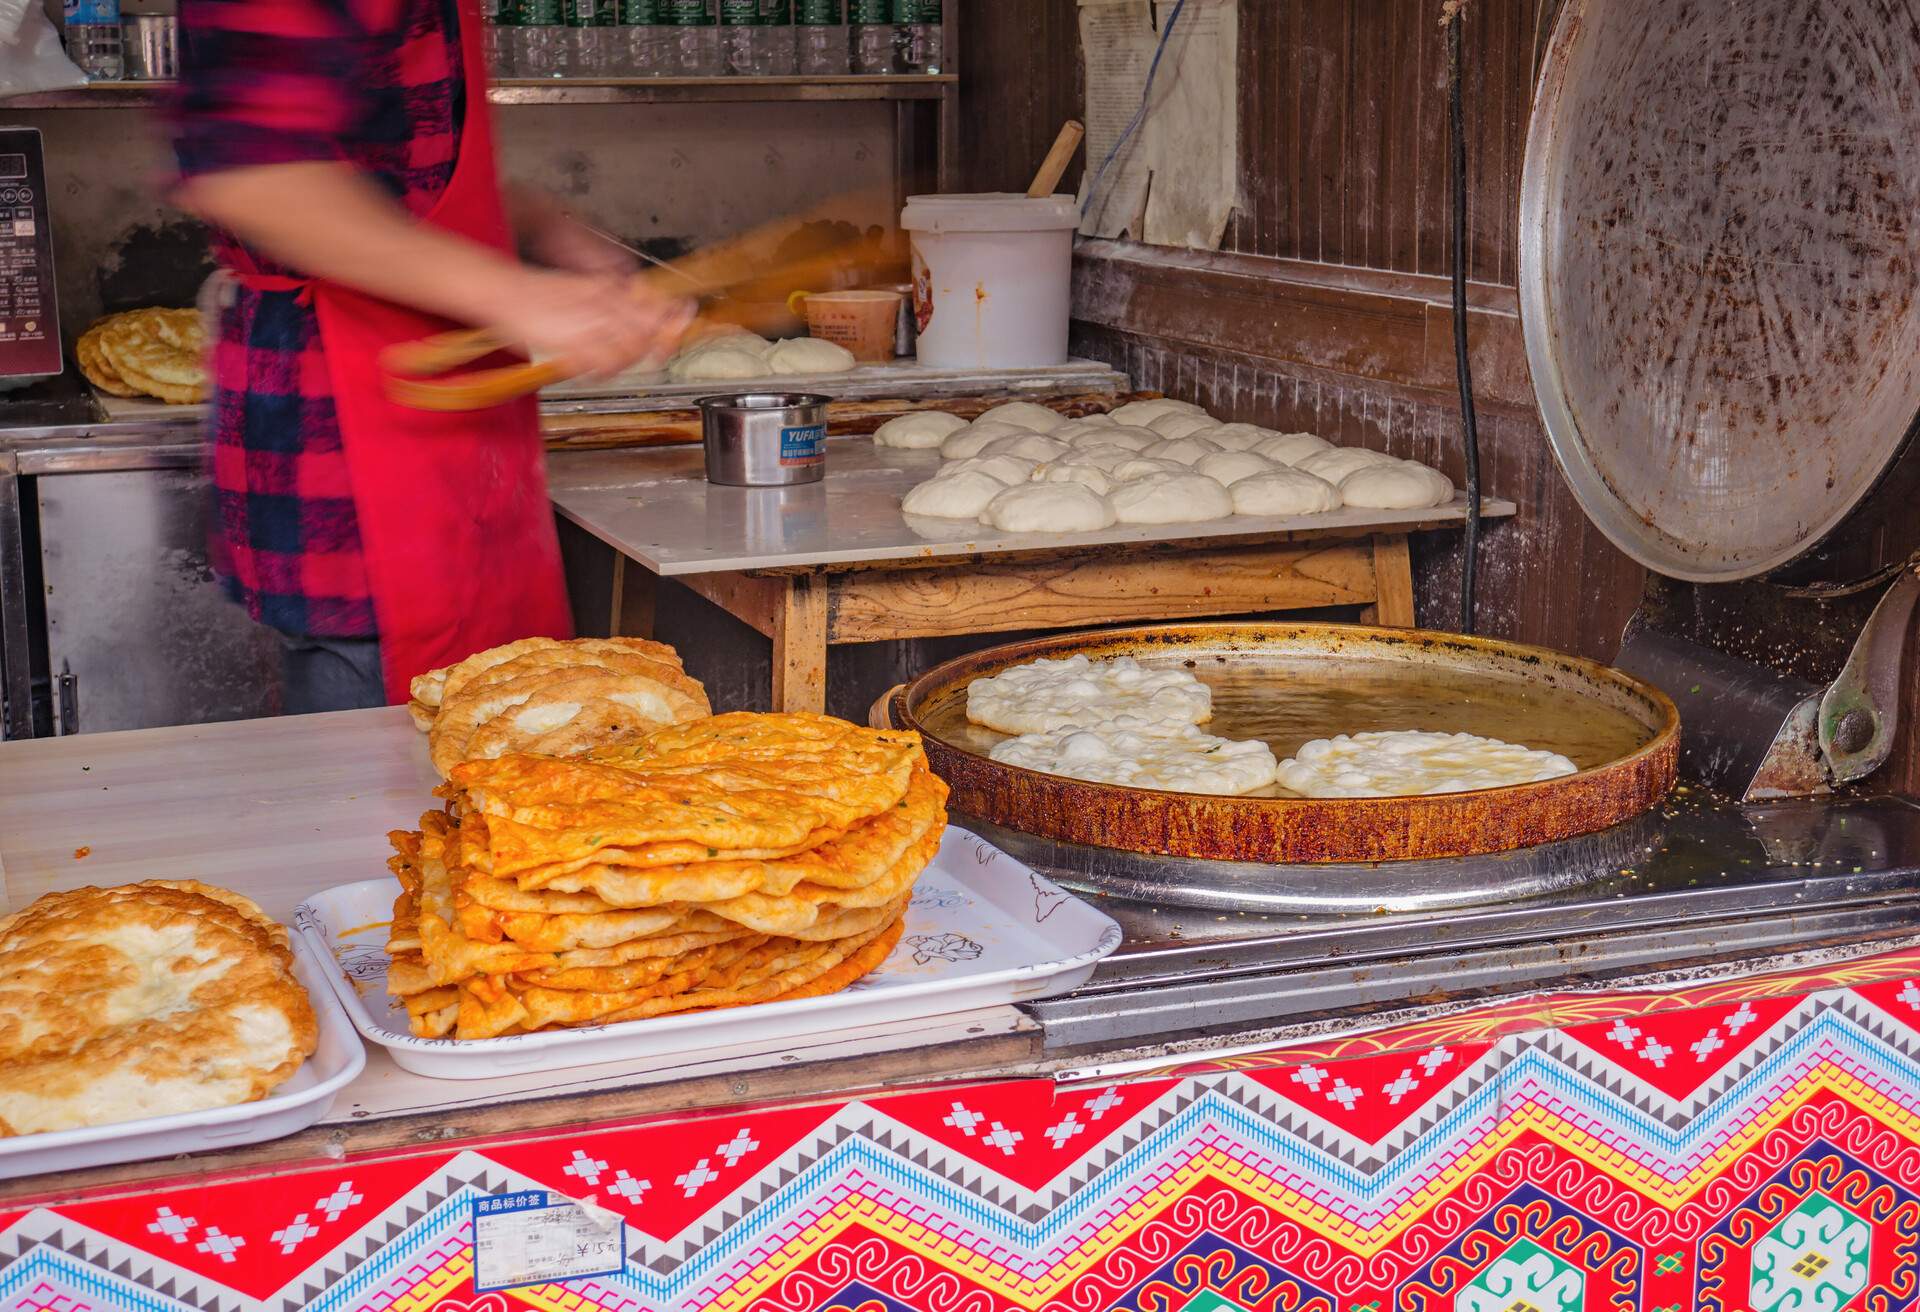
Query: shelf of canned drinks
[572,91]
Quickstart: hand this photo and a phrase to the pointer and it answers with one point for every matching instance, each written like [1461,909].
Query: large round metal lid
[1719,273]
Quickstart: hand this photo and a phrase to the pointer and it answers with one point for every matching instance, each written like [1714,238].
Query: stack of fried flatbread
[144,1000]
[157,353]
[552,698]
[739,859]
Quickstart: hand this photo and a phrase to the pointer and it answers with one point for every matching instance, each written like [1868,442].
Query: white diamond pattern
[586,1168]
[171,1224]
[963,1120]
[295,1233]
[628,1187]
[697,1178]
[739,1146]
[222,1246]
[1002,1138]
[337,1202]
[1065,1130]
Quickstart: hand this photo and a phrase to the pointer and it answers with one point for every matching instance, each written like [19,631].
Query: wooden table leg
[634,588]
[1392,582]
[800,645]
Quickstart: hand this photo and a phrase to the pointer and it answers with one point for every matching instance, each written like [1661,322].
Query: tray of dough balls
[1151,468]
[1292,743]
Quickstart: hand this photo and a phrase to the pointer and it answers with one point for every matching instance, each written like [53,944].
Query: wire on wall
[1140,114]
[1453,16]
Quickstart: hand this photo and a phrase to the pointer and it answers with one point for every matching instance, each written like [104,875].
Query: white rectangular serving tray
[298,1103]
[982,930]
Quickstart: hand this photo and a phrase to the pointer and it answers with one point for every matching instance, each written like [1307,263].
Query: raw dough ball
[1075,430]
[1107,458]
[968,441]
[1147,467]
[1284,491]
[1034,418]
[1336,464]
[1028,446]
[1229,467]
[809,355]
[919,431]
[1134,439]
[1048,508]
[716,364]
[953,496]
[1292,448]
[1097,417]
[1236,437]
[1403,485]
[1003,469]
[1074,471]
[1184,450]
[1183,498]
[1179,424]
[1139,412]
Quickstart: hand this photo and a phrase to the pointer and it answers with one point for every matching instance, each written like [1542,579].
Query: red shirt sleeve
[281,81]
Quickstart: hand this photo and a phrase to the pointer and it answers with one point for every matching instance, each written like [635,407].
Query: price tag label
[536,1238]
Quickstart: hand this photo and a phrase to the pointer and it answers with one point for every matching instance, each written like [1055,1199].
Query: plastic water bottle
[501,20]
[644,35]
[586,49]
[919,40]
[93,38]
[695,42]
[539,38]
[820,37]
[874,41]
[756,37]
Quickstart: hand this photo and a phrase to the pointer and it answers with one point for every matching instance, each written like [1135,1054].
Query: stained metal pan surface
[1288,684]
[1719,276]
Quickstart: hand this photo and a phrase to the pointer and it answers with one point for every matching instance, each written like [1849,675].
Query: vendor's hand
[598,324]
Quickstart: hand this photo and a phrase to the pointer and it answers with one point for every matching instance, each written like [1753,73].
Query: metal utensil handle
[1860,712]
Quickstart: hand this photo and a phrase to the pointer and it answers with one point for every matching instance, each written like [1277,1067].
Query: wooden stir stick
[1072,132]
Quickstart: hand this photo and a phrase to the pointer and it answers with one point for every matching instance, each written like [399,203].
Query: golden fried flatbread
[540,709]
[866,853]
[494,1006]
[94,367]
[802,907]
[431,689]
[144,1000]
[161,353]
[732,787]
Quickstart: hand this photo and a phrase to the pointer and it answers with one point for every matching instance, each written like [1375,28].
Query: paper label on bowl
[803,446]
[533,1237]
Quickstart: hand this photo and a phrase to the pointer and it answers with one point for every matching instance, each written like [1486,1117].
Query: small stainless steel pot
[765,439]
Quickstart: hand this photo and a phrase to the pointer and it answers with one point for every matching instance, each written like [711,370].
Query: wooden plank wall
[1327,308]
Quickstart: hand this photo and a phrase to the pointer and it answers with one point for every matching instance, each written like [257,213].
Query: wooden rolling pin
[1054,166]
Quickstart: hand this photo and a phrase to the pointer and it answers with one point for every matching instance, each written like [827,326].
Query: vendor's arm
[331,222]
[277,96]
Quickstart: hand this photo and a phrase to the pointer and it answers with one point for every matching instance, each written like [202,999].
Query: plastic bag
[31,58]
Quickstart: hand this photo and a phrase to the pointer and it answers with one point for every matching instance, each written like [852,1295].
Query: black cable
[1462,366]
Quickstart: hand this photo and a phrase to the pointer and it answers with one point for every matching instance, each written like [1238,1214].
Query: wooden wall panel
[1020,80]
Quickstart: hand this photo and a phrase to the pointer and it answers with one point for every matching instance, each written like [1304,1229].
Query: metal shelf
[573,91]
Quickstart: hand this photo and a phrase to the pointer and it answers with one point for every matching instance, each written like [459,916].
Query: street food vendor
[343,151]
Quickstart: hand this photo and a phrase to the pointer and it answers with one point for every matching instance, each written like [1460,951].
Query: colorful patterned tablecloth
[1749,1146]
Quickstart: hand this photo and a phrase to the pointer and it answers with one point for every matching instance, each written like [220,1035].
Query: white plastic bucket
[991,278]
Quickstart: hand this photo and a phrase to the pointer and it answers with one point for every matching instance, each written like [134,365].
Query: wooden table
[836,562]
